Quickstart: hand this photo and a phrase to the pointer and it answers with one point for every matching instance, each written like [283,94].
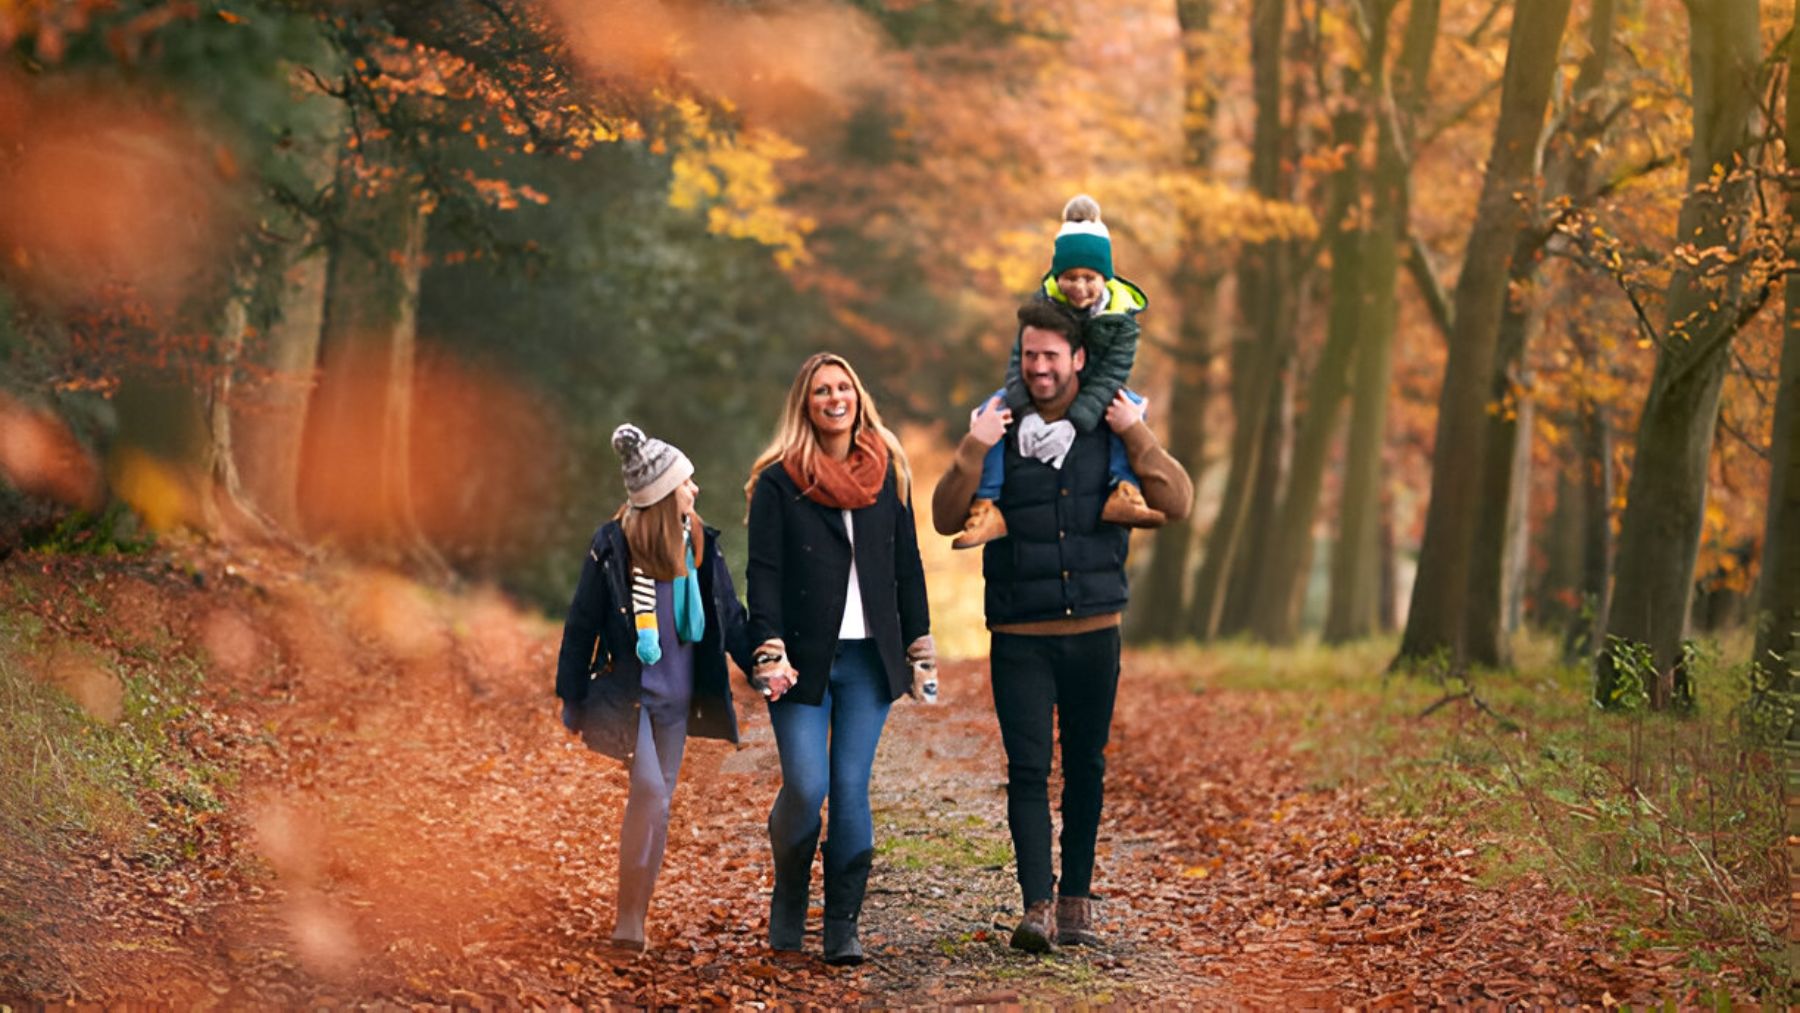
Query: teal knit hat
[1083,240]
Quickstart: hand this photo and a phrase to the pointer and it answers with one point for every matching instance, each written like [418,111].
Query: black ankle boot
[843,906]
[793,883]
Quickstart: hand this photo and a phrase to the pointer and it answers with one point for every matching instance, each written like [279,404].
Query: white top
[854,627]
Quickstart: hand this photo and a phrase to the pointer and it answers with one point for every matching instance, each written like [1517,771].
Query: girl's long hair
[795,431]
[653,535]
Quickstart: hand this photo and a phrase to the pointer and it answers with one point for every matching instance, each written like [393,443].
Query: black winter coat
[598,668]
[799,572]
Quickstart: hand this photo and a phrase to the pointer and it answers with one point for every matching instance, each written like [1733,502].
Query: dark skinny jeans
[1077,677]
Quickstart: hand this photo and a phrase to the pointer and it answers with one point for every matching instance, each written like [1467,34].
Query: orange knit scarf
[849,484]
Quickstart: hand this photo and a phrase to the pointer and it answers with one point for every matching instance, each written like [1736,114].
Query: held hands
[1123,413]
[988,423]
[773,675]
[921,655]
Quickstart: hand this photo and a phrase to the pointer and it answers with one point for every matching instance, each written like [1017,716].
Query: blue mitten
[649,649]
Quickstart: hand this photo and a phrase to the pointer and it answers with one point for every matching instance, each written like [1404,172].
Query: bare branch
[1425,275]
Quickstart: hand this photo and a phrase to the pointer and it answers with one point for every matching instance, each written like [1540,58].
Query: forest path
[405,821]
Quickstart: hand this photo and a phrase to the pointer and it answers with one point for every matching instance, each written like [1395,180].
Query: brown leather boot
[985,524]
[1075,921]
[1126,506]
[1037,930]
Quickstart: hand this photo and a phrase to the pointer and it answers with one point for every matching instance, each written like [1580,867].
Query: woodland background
[1469,317]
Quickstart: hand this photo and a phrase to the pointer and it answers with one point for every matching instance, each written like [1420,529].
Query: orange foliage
[796,67]
[102,194]
[40,457]
[481,452]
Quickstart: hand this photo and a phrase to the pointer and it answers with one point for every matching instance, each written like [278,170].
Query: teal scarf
[690,614]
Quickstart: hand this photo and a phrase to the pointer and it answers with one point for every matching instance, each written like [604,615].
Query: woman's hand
[921,655]
[773,675]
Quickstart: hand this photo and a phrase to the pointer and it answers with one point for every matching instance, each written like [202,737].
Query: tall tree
[1356,562]
[1262,289]
[1497,559]
[1276,610]
[357,456]
[1706,305]
[1196,281]
[1434,620]
[1778,602]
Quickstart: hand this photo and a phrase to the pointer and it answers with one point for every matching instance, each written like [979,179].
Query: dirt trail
[408,823]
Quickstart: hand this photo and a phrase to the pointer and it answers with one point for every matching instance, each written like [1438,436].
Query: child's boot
[985,524]
[1126,506]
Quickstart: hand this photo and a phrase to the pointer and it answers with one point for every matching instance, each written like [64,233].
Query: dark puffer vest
[1058,559]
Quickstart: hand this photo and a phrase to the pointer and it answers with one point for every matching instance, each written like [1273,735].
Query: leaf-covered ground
[393,814]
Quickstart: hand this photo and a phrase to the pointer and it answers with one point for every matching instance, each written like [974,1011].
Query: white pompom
[1081,208]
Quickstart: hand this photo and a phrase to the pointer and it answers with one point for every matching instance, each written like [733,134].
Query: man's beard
[1056,394]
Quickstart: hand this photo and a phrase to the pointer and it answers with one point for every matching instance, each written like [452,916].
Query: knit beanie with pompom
[1083,240]
[653,469]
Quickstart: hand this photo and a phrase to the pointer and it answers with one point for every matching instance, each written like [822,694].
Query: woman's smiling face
[831,401]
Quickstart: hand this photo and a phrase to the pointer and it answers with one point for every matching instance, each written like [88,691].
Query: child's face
[1082,286]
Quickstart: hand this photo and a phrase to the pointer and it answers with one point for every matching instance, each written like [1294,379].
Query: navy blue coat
[598,668]
[1059,560]
[799,574]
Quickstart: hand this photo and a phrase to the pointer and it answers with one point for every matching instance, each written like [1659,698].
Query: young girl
[837,603]
[1080,278]
[643,652]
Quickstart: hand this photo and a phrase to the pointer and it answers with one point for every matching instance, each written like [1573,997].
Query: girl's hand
[779,683]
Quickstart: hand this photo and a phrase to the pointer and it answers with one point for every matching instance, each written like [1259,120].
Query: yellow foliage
[154,488]
[733,178]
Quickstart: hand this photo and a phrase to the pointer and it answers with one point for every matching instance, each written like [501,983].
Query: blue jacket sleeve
[762,576]
[581,640]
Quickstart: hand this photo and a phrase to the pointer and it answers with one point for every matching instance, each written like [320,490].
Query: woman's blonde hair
[653,535]
[795,430]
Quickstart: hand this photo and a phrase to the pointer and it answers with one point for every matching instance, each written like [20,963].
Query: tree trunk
[1439,596]
[1778,587]
[1496,559]
[1157,612]
[1276,610]
[356,483]
[1254,544]
[270,416]
[1262,291]
[1659,534]
[1353,609]
[227,511]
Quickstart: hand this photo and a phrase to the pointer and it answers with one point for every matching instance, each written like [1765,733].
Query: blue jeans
[993,466]
[645,832]
[829,750]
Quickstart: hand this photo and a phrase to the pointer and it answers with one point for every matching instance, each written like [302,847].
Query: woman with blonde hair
[643,652]
[837,603]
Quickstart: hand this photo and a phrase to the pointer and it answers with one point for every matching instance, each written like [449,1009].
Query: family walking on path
[1054,469]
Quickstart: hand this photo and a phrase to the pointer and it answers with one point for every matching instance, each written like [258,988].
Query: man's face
[1047,364]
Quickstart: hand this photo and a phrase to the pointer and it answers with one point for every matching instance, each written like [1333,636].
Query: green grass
[1665,827]
[910,841]
[128,782]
